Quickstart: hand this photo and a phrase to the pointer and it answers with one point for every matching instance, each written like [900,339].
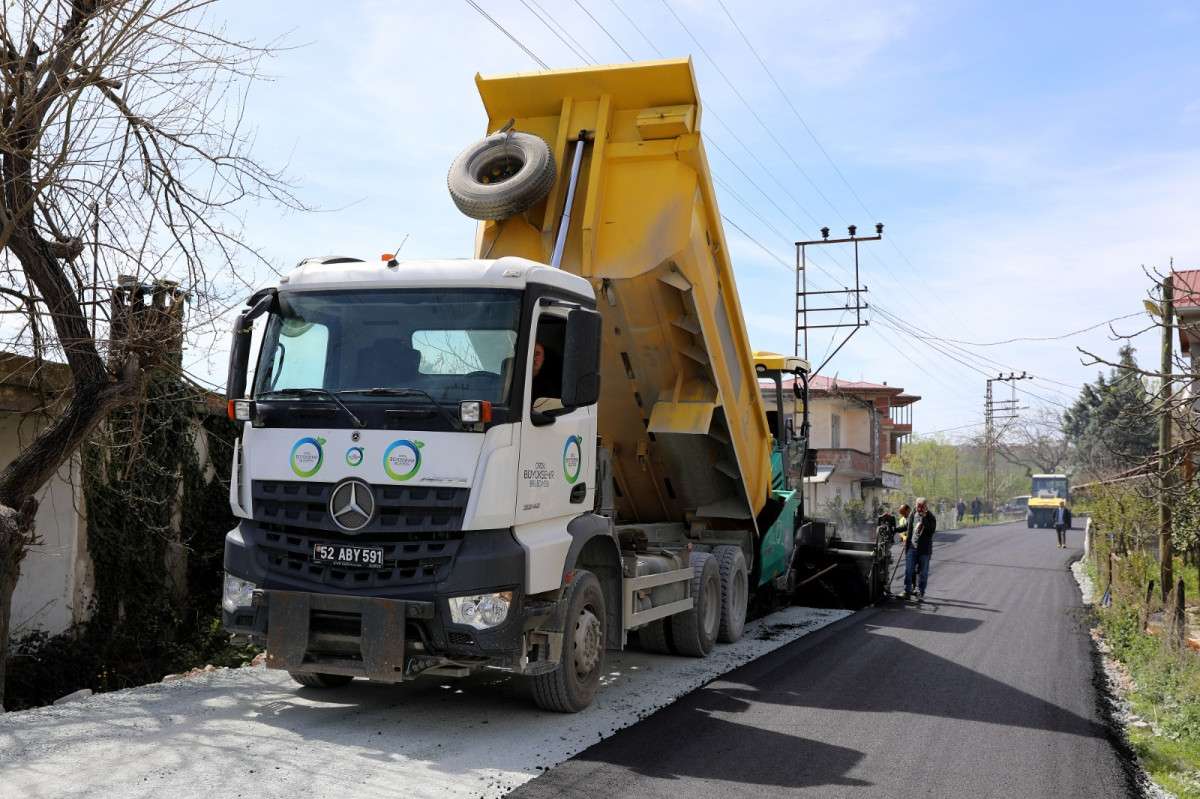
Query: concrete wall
[56,575]
[856,425]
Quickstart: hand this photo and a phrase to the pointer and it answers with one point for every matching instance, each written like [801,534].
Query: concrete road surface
[984,690]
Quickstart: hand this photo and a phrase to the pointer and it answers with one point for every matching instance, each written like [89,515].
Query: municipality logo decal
[402,459]
[354,456]
[572,458]
[307,456]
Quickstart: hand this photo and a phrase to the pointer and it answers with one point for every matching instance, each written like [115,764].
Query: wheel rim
[738,607]
[498,168]
[587,642]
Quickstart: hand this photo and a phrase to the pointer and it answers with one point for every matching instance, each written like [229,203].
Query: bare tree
[122,152]
[1165,472]
[1036,443]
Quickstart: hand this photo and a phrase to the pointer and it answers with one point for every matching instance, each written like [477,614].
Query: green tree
[927,466]
[1112,423]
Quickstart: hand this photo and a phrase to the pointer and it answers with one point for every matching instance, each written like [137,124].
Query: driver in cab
[546,384]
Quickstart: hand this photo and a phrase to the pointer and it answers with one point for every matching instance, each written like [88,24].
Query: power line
[600,25]
[750,108]
[759,244]
[567,33]
[812,135]
[1048,338]
[970,366]
[504,30]
[976,357]
[737,227]
[544,20]
[629,19]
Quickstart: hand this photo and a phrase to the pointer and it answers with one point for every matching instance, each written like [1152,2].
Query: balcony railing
[848,461]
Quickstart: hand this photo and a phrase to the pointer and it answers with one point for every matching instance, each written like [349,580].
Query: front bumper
[399,634]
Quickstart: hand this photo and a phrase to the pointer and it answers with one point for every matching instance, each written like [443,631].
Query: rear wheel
[694,632]
[572,686]
[311,680]
[735,592]
[656,637]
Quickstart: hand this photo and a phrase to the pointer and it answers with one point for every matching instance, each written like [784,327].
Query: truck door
[557,463]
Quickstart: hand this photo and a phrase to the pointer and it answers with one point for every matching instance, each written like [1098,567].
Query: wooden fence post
[1144,613]
[1177,618]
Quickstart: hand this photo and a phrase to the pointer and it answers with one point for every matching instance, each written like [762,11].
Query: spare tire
[501,176]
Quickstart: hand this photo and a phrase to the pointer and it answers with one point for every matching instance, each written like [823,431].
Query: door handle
[578,493]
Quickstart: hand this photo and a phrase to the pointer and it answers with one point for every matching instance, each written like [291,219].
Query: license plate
[347,555]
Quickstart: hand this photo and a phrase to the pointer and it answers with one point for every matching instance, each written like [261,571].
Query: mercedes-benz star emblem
[352,505]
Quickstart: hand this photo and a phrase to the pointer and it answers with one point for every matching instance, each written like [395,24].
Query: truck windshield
[1050,487]
[450,345]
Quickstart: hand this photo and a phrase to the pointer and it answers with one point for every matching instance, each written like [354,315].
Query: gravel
[252,732]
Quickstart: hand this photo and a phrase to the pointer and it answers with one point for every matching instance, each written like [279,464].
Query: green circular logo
[402,459]
[307,456]
[572,458]
[354,456]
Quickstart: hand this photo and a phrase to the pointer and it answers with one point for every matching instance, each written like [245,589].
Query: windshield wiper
[406,392]
[315,392]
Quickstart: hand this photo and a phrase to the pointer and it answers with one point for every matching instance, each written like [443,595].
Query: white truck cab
[423,434]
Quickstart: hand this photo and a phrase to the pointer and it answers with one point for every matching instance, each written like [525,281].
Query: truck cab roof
[510,272]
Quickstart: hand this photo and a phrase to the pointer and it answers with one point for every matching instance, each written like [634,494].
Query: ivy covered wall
[155,485]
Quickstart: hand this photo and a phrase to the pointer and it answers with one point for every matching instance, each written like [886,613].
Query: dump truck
[1046,493]
[524,459]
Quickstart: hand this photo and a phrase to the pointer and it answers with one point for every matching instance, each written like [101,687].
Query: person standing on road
[961,510]
[918,549]
[1062,519]
[976,506]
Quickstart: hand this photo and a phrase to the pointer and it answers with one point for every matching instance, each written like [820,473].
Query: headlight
[237,593]
[480,611]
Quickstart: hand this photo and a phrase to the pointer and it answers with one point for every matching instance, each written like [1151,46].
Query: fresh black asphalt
[984,690]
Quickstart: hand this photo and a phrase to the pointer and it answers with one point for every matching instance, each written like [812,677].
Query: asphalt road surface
[983,690]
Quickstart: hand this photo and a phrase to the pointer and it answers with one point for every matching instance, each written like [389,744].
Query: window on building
[835,431]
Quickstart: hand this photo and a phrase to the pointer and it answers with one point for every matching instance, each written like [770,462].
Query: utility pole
[1166,575]
[850,295]
[997,411]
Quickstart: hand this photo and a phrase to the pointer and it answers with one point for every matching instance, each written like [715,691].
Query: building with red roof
[854,427]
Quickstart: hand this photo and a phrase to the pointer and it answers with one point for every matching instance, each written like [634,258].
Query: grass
[1171,764]
[1165,693]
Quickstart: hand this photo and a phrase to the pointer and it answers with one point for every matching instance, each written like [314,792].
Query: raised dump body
[680,407]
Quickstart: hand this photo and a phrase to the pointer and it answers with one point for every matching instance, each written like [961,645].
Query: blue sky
[1026,159]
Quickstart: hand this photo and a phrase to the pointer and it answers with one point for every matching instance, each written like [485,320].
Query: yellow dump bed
[680,407]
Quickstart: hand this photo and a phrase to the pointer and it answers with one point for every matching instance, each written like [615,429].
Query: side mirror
[239,357]
[239,352]
[581,359]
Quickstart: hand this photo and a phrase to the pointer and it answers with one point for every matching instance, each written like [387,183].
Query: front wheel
[315,680]
[572,686]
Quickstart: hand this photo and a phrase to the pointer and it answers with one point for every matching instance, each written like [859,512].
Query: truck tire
[694,632]
[501,176]
[571,687]
[735,592]
[311,680]
[656,637]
